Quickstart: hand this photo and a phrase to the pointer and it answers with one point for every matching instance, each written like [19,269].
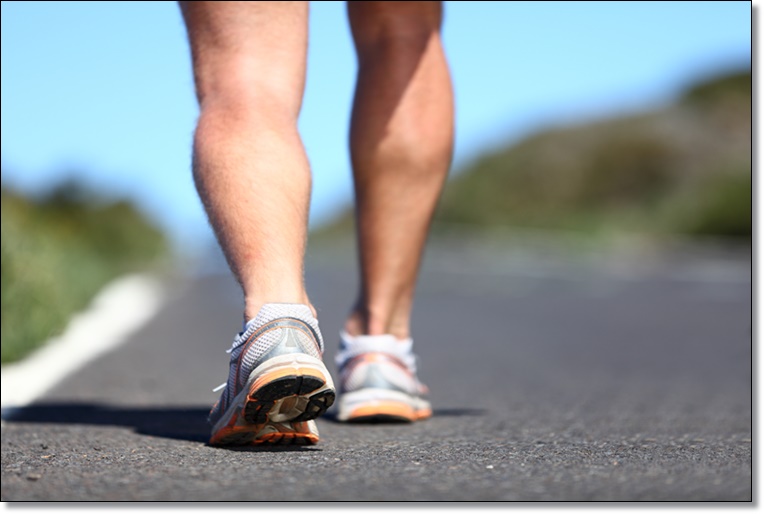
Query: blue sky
[103,91]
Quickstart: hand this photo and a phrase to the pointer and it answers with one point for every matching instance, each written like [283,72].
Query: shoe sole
[287,439]
[260,435]
[288,388]
[382,405]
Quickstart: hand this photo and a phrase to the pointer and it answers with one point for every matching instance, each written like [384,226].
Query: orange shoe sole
[388,411]
[266,434]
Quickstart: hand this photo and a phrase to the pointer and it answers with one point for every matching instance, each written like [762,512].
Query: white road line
[121,308]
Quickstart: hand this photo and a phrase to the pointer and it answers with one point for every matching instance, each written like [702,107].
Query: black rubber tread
[317,406]
[308,384]
[260,402]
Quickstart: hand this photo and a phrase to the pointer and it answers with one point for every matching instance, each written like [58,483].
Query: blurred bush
[683,169]
[57,252]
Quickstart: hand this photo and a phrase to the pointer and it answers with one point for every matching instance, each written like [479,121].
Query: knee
[382,25]
[236,110]
[237,117]
[237,92]
[249,105]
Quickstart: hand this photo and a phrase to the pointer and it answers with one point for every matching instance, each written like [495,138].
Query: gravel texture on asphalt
[585,386]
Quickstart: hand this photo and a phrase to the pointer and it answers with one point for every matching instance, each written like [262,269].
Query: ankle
[374,322]
[252,306]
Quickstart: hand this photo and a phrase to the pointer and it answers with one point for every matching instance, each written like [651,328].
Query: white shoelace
[236,340]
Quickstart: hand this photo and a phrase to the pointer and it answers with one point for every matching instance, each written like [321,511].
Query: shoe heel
[294,388]
[379,405]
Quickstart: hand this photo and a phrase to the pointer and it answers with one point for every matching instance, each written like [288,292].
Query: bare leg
[250,166]
[401,143]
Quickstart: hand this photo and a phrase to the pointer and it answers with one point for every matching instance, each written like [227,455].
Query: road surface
[578,383]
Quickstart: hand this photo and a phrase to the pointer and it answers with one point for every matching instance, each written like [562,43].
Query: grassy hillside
[57,252]
[682,169]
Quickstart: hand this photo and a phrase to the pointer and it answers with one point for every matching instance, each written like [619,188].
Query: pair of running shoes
[278,384]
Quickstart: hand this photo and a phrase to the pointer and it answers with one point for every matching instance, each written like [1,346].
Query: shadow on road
[187,423]
[183,423]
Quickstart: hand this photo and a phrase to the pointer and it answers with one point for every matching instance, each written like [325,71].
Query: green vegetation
[57,252]
[684,169]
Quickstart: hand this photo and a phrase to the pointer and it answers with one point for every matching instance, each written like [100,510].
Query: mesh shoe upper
[379,362]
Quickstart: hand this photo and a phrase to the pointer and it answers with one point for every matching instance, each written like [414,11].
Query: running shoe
[378,380]
[276,380]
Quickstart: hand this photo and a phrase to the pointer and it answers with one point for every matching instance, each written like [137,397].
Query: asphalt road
[576,384]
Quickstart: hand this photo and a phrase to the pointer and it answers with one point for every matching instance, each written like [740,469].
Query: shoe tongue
[382,339]
[382,343]
[387,343]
